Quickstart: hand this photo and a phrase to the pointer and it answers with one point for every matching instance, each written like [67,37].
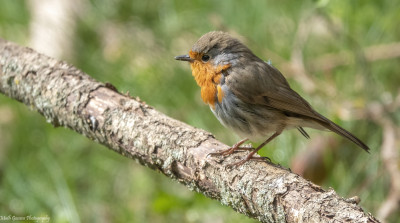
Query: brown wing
[270,88]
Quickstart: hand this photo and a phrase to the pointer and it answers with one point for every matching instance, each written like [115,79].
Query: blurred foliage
[131,44]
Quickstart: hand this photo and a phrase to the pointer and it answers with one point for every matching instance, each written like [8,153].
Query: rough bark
[68,97]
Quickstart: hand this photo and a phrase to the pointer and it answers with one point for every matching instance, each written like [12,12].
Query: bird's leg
[229,151]
[250,156]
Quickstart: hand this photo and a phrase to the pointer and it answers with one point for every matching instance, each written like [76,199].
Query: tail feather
[303,132]
[343,132]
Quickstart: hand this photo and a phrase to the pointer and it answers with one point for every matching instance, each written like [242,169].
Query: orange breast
[208,77]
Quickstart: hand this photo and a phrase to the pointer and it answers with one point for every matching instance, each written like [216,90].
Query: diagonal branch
[66,96]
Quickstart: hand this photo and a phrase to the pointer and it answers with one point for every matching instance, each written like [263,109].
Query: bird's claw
[241,162]
[231,151]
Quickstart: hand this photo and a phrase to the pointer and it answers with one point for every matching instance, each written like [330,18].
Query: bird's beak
[184,58]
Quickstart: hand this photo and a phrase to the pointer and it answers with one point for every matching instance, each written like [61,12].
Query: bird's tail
[341,131]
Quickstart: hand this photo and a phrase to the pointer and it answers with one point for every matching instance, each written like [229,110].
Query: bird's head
[214,53]
[215,48]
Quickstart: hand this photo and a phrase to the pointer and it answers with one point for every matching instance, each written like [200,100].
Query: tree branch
[66,96]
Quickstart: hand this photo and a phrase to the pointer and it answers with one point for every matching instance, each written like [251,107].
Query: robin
[250,96]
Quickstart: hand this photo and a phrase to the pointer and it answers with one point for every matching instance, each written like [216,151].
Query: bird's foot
[231,150]
[236,147]
[248,158]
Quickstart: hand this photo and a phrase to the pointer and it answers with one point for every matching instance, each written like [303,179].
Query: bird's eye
[205,58]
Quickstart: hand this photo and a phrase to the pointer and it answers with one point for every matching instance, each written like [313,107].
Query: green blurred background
[330,51]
